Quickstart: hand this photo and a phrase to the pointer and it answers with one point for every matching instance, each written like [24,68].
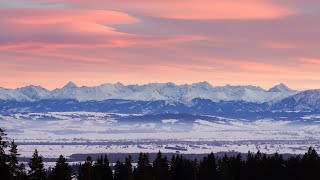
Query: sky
[243,42]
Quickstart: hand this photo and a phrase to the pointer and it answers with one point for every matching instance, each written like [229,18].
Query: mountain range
[150,92]
[196,98]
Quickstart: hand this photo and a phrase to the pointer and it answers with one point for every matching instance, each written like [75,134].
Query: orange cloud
[28,29]
[25,28]
[125,43]
[59,15]
[195,9]
[55,70]
[246,65]
[279,45]
[227,9]
[311,61]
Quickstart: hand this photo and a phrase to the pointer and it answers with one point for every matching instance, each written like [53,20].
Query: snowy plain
[68,133]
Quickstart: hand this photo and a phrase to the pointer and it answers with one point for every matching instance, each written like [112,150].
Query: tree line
[256,166]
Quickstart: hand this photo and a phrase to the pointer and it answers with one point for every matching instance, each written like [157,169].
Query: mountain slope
[280,88]
[196,106]
[304,101]
[34,92]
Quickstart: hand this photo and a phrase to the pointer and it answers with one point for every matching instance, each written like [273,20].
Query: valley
[69,133]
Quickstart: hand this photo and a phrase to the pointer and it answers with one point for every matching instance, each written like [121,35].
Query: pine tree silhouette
[4,168]
[161,167]
[102,169]
[61,171]
[13,160]
[123,171]
[143,171]
[208,168]
[86,170]
[37,171]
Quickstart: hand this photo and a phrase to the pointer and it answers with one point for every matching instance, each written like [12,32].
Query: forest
[255,166]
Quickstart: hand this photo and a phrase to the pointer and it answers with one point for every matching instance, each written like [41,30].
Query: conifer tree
[102,169]
[37,171]
[62,170]
[4,168]
[183,169]
[123,171]
[128,168]
[22,175]
[161,167]
[144,168]
[224,168]
[119,171]
[277,167]
[13,160]
[310,163]
[237,167]
[3,143]
[208,168]
[86,170]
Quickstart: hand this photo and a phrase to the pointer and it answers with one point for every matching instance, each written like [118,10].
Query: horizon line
[147,83]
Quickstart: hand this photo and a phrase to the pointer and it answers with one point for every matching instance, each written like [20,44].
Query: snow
[34,92]
[172,121]
[280,88]
[68,133]
[10,94]
[70,85]
[150,92]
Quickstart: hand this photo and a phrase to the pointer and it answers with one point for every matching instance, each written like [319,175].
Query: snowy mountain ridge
[150,92]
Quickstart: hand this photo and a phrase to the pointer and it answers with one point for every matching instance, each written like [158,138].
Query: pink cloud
[54,70]
[311,61]
[280,45]
[59,15]
[246,65]
[208,9]
[194,9]
[227,41]
[28,29]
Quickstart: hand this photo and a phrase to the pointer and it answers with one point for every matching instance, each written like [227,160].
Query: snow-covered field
[70,133]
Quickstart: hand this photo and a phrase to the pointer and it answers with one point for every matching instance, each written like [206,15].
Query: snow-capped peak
[70,85]
[34,92]
[280,88]
[34,88]
[203,85]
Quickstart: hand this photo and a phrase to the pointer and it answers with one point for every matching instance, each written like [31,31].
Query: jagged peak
[251,87]
[280,88]
[169,84]
[33,87]
[203,84]
[119,84]
[70,85]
